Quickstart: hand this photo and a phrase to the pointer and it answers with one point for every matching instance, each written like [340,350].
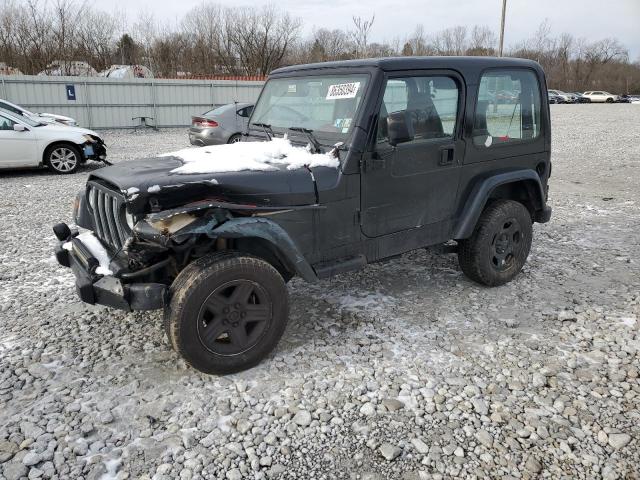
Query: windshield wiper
[268,131]
[312,139]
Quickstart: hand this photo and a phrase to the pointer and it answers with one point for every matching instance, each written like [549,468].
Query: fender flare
[274,234]
[481,192]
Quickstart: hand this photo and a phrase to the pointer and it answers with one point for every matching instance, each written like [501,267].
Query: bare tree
[360,34]
[482,41]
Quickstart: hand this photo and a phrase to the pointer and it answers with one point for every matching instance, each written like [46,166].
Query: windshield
[325,104]
[24,119]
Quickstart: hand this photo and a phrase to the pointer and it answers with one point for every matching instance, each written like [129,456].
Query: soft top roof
[416,63]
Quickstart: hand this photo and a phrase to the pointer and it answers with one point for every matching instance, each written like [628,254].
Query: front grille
[108,210]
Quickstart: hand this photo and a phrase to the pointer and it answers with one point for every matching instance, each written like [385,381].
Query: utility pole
[504,9]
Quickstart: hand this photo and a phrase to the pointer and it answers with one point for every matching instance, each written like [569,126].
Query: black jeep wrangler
[425,149]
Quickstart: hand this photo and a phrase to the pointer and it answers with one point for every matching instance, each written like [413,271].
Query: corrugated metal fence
[112,103]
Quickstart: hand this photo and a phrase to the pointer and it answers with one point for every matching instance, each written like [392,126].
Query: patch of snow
[154,189]
[224,423]
[628,321]
[67,246]
[132,190]
[254,156]
[371,301]
[97,250]
[111,465]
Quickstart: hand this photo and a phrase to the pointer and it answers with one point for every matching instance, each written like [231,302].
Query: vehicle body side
[336,232]
[320,221]
[231,123]
[27,148]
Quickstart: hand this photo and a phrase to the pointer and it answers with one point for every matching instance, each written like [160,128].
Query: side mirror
[19,128]
[399,128]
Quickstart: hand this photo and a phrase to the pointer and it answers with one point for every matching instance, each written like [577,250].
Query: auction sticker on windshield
[343,90]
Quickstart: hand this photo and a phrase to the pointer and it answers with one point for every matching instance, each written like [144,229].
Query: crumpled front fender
[273,233]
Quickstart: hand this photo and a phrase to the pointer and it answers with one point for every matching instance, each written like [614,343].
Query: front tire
[609,100]
[227,312]
[63,158]
[499,246]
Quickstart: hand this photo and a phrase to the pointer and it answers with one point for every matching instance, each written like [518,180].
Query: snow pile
[257,156]
[97,250]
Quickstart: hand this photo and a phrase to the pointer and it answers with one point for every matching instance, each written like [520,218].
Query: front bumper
[107,290]
[94,151]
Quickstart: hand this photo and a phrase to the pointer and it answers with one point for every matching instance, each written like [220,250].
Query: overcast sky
[592,19]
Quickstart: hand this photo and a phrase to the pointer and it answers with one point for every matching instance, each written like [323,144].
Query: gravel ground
[404,370]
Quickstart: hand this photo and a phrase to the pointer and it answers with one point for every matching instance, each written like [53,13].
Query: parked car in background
[566,97]
[41,117]
[507,96]
[555,98]
[223,124]
[599,96]
[26,142]
[580,98]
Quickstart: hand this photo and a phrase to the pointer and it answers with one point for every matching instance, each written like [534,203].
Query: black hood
[151,178]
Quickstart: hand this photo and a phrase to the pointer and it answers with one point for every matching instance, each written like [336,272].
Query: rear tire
[227,312]
[500,244]
[63,158]
[235,138]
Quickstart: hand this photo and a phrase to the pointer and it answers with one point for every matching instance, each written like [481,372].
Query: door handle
[447,154]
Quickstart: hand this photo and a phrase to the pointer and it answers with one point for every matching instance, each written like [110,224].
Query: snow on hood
[257,156]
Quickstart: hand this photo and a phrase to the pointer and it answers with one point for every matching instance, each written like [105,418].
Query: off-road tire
[55,160]
[201,280]
[477,255]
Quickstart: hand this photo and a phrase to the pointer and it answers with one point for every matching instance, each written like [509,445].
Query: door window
[430,101]
[507,108]
[6,123]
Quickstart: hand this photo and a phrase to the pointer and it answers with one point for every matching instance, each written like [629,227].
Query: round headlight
[130,220]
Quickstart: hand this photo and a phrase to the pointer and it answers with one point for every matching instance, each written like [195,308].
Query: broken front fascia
[200,218]
[174,227]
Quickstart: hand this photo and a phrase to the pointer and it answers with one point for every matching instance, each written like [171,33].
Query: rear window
[507,108]
[220,110]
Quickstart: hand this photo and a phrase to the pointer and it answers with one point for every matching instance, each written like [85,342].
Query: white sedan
[43,117]
[600,96]
[25,142]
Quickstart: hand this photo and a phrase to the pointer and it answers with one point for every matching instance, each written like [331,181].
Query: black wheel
[227,312]
[609,100]
[499,246]
[63,158]
[235,138]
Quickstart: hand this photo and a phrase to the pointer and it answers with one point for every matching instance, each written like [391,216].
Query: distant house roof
[7,70]
[126,71]
[73,68]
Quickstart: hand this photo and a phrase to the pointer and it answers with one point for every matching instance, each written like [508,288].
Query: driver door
[17,149]
[415,183]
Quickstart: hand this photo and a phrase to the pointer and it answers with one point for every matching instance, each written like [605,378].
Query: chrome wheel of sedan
[63,159]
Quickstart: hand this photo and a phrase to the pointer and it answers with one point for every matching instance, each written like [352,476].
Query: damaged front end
[147,252]
[94,149]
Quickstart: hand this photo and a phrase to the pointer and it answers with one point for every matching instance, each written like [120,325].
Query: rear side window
[431,101]
[507,108]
